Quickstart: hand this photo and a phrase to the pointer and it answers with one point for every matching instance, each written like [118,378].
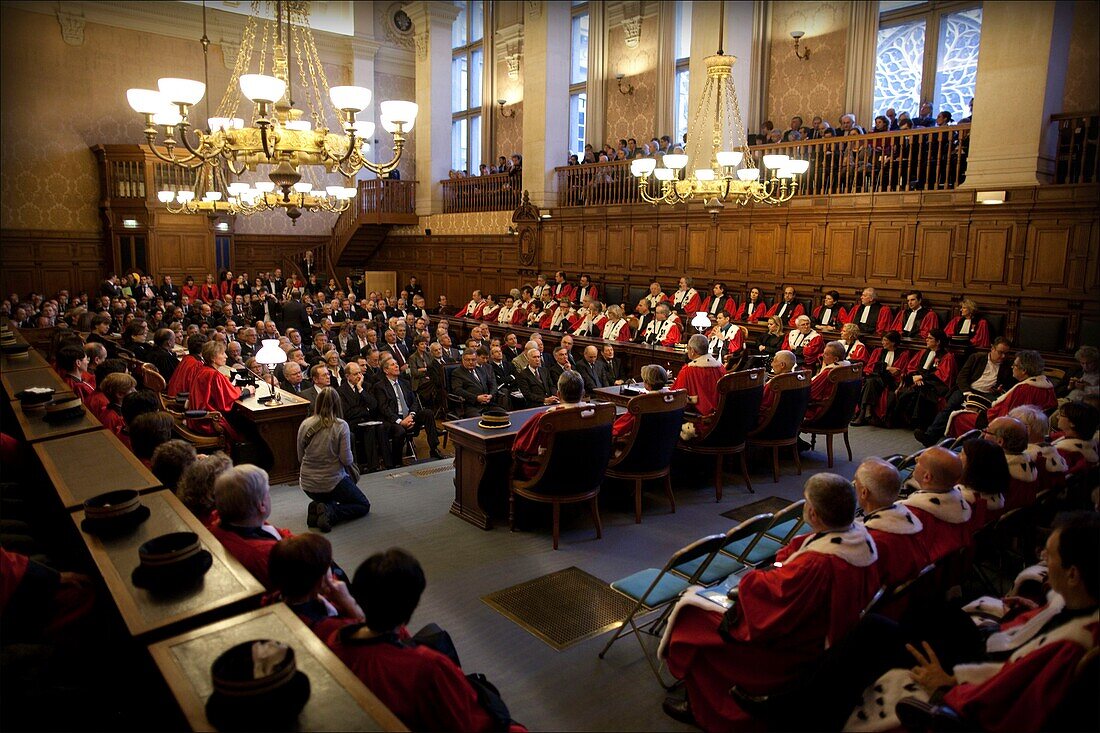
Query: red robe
[185,372]
[812,346]
[489,312]
[519,316]
[210,293]
[730,306]
[979,331]
[792,313]
[590,292]
[835,318]
[1023,480]
[882,323]
[821,391]
[616,330]
[671,332]
[786,616]
[898,536]
[192,293]
[759,310]
[688,301]
[1036,391]
[700,378]
[469,310]
[947,519]
[212,391]
[857,352]
[530,443]
[96,404]
[563,290]
[927,322]
[422,687]
[111,417]
[80,388]
[252,552]
[1080,455]
[943,366]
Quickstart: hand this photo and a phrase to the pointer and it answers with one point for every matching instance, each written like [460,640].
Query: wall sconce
[629,87]
[797,35]
[509,113]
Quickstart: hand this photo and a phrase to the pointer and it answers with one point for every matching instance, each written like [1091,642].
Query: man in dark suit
[512,347]
[397,349]
[319,379]
[161,355]
[265,307]
[294,313]
[401,413]
[611,366]
[168,291]
[984,373]
[558,365]
[450,354]
[590,371]
[470,383]
[361,407]
[534,382]
[293,380]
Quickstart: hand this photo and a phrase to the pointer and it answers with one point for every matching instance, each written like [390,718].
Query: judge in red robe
[854,349]
[185,372]
[616,327]
[718,300]
[686,299]
[469,310]
[753,309]
[585,289]
[939,504]
[895,529]
[870,315]
[828,316]
[531,442]
[662,330]
[212,391]
[699,378]
[1032,388]
[783,618]
[822,388]
[561,287]
[915,321]
[782,363]
[806,343]
[788,309]
[1031,663]
[242,495]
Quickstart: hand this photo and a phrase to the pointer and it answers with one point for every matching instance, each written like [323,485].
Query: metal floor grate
[425,472]
[563,608]
[769,504]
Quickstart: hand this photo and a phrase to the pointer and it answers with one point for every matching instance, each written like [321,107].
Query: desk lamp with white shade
[270,355]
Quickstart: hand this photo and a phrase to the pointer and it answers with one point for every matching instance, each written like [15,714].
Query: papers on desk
[719,594]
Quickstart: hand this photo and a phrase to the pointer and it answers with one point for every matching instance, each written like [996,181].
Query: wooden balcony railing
[921,159]
[378,201]
[1075,159]
[496,192]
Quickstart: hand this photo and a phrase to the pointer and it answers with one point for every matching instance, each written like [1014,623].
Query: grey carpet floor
[548,690]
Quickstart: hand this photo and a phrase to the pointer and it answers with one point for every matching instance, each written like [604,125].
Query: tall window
[928,51]
[467,68]
[578,77]
[683,54]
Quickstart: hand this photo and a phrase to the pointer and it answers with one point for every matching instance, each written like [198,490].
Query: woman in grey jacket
[328,473]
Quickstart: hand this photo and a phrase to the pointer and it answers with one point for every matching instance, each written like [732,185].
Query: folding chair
[658,588]
[785,525]
[964,438]
[733,556]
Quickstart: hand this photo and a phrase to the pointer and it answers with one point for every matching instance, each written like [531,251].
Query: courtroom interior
[384,365]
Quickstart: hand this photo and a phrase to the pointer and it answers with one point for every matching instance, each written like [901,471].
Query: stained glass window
[957,64]
[899,67]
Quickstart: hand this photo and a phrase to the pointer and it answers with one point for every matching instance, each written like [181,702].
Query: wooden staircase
[379,205]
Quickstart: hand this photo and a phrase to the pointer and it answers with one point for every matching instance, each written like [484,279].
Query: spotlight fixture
[797,35]
[629,87]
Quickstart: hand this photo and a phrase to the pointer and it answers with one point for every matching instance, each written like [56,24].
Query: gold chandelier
[278,135]
[719,179]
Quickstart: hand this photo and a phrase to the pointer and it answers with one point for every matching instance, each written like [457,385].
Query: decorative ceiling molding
[72,28]
[387,16]
[617,12]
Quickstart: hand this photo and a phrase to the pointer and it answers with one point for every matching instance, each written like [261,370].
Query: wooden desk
[615,396]
[483,461]
[16,381]
[277,425]
[338,699]
[35,428]
[33,360]
[227,588]
[83,466]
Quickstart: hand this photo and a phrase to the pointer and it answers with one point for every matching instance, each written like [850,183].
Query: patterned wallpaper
[1082,91]
[633,115]
[816,86]
[491,222]
[507,131]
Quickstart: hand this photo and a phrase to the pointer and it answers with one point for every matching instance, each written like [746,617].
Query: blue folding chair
[733,557]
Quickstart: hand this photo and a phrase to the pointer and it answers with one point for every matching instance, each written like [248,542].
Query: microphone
[273,397]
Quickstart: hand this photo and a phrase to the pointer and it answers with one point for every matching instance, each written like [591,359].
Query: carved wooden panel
[763,250]
[551,242]
[698,240]
[840,265]
[643,248]
[617,245]
[799,250]
[987,262]
[668,247]
[1048,249]
[727,257]
[593,237]
[884,252]
[933,263]
[569,250]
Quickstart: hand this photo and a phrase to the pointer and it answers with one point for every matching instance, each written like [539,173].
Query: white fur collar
[853,545]
[1039,382]
[1023,639]
[1086,448]
[950,506]
[1021,468]
[995,502]
[893,519]
[706,360]
[1047,456]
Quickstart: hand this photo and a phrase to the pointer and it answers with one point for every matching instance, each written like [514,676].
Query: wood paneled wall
[255,253]
[46,262]
[1037,253]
